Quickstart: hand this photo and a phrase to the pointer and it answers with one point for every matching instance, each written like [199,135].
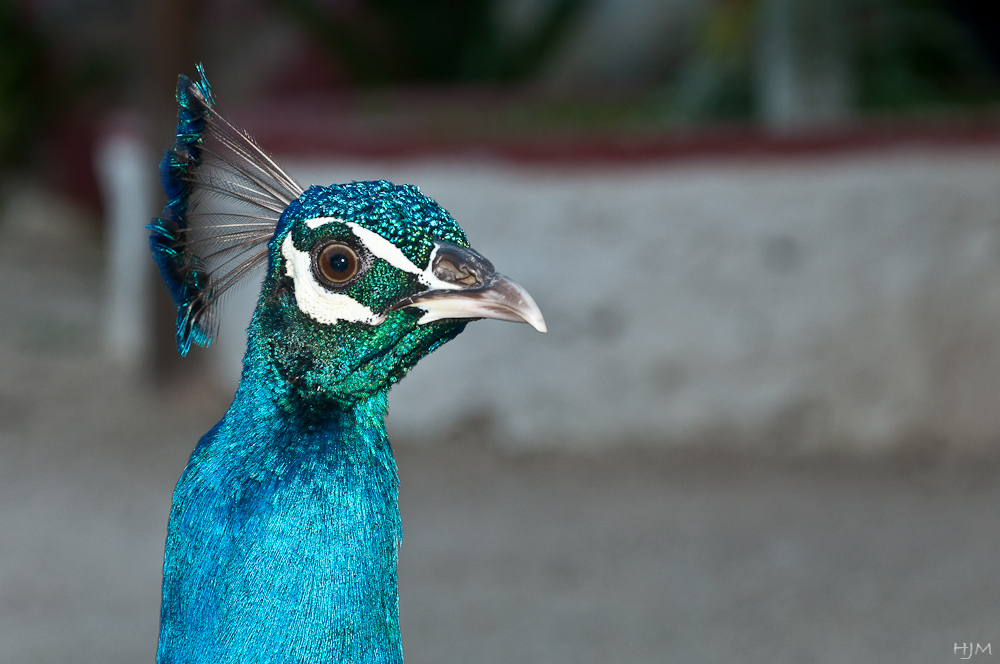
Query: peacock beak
[503,299]
[467,286]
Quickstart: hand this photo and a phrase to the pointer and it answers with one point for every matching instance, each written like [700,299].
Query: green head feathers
[363,279]
[345,337]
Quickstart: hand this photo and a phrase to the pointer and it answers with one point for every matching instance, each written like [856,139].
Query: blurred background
[765,235]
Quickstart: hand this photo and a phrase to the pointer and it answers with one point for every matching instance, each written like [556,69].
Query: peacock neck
[283,536]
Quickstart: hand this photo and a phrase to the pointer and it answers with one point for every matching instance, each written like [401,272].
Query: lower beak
[501,298]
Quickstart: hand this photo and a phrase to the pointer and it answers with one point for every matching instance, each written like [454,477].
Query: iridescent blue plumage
[182,275]
[283,538]
[284,530]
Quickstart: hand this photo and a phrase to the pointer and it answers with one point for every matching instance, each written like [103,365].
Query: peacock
[284,529]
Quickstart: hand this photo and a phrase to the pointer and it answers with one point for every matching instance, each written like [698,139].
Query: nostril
[461,265]
[447,267]
[449,271]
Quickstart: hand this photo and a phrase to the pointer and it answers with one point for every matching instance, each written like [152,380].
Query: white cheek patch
[314,300]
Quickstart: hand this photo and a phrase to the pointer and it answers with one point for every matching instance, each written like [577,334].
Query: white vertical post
[126,172]
[803,64]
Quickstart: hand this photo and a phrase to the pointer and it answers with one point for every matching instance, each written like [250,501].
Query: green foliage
[914,53]
[435,41]
[902,55]
[715,80]
[22,91]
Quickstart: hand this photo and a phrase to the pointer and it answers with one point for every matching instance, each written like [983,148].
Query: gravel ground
[626,557]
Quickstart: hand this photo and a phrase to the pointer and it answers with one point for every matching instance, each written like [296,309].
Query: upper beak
[471,288]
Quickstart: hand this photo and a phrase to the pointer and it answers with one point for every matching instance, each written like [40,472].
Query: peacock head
[365,279]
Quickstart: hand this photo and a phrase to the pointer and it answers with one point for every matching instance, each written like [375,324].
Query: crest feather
[224,199]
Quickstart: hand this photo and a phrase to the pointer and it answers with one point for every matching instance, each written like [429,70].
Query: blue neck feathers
[284,530]
[283,536]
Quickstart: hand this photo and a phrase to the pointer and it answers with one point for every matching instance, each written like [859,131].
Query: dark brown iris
[338,262]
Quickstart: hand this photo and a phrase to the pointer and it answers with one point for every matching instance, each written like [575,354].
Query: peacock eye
[337,262]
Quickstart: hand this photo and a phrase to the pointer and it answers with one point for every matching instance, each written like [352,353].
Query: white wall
[838,303]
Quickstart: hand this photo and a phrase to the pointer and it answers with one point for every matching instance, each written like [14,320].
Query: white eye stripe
[382,248]
[393,255]
[322,221]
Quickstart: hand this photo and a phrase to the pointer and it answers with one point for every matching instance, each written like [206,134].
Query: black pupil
[339,262]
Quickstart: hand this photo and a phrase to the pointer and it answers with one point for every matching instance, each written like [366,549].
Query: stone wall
[827,303]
